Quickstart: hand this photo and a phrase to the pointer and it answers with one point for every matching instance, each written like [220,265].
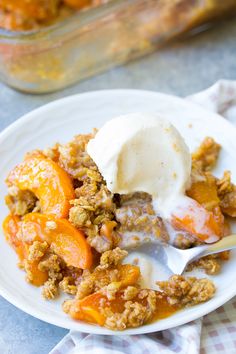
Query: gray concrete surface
[181,68]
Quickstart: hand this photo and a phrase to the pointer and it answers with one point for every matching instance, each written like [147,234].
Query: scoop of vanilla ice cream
[142,152]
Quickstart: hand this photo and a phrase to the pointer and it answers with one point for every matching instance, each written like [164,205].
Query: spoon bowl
[177,259]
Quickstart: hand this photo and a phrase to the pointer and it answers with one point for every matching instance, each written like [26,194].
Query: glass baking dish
[92,41]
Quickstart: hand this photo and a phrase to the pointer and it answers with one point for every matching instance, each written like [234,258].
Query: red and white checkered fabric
[216,332]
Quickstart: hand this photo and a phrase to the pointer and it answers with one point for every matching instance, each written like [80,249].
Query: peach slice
[90,308]
[38,277]
[67,241]
[35,9]
[47,180]
[129,274]
[205,192]
[11,226]
[193,218]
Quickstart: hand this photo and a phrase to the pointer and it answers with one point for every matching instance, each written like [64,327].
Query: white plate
[59,121]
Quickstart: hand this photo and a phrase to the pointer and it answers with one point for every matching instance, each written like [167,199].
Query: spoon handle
[226,243]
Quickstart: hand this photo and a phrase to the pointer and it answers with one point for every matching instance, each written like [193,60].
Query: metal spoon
[174,258]
[177,259]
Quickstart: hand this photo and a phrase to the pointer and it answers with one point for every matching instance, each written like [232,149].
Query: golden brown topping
[227,194]
[50,290]
[184,291]
[67,285]
[224,185]
[37,250]
[53,265]
[209,264]
[130,292]
[20,202]
[85,288]
[117,313]
[80,217]
[205,157]
[110,290]
[110,293]
[109,277]
[134,315]
[184,241]
[112,258]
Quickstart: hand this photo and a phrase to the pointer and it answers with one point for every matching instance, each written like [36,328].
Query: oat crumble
[109,223]
[207,154]
[187,291]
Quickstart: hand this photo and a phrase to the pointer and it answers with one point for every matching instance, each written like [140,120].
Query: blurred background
[177,47]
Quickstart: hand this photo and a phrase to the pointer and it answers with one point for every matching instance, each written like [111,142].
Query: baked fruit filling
[26,15]
[71,234]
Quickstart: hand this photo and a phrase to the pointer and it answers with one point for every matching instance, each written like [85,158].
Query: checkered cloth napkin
[214,333]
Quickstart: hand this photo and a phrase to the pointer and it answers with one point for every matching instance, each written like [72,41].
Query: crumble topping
[111,222]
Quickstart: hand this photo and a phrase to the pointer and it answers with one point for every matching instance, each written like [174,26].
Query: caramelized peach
[129,274]
[35,9]
[224,256]
[206,226]
[47,180]
[37,276]
[88,309]
[205,192]
[11,227]
[65,239]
